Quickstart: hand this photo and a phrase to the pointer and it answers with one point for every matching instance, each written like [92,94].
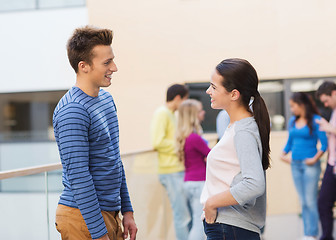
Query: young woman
[234,194]
[192,150]
[303,137]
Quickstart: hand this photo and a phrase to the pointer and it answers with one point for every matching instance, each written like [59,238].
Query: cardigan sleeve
[253,183]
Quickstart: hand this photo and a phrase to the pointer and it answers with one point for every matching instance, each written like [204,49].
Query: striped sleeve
[126,205]
[72,125]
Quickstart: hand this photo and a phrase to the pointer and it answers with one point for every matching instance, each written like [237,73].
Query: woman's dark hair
[239,74]
[309,105]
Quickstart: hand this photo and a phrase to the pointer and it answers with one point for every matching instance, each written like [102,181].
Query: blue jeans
[193,190]
[221,231]
[306,182]
[173,183]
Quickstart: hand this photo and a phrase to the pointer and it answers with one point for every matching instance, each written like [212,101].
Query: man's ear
[235,94]
[333,93]
[177,98]
[83,67]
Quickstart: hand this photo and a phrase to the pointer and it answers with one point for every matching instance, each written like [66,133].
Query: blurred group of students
[182,159]
[183,174]
[306,129]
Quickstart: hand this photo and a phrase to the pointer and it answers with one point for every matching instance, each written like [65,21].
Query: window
[276,94]
[27,116]
[197,91]
[309,86]
[18,5]
[273,94]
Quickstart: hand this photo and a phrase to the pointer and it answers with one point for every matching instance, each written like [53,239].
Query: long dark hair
[310,107]
[239,74]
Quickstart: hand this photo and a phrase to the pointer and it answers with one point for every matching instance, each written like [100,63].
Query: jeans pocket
[214,231]
[60,224]
[57,227]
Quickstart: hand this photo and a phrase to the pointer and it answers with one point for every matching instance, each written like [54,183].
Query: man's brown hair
[326,88]
[82,42]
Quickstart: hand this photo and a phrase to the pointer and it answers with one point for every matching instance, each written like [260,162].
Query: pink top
[332,141]
[195,151]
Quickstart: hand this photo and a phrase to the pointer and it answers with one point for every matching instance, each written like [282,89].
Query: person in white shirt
[234,194]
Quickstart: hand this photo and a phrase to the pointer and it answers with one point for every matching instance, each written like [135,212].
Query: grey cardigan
[249,185]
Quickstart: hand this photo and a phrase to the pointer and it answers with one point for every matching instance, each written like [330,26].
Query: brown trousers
[70,223]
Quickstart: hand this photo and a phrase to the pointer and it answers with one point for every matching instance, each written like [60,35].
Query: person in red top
[193,150]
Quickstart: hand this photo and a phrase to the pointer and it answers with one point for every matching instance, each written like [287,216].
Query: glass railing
[28,199]
[29,196]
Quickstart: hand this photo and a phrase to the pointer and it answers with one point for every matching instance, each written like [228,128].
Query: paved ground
[285,227]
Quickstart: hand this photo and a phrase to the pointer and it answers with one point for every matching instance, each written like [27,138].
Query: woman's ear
[235,94]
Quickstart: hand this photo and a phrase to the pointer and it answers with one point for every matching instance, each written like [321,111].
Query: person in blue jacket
[304,134]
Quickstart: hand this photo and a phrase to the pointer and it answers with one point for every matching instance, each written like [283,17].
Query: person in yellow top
[171,169]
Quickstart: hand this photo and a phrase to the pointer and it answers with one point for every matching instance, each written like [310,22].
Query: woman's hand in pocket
[210,212]
[310,161]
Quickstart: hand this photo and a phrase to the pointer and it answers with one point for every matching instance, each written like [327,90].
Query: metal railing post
[47,199]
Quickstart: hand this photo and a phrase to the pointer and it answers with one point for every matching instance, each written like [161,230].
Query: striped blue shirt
[87,134]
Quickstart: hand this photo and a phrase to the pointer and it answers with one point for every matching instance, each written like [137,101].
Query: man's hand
[129,225]
[325,125]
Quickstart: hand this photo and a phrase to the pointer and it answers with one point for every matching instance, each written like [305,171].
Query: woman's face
[296,109]
[220,98]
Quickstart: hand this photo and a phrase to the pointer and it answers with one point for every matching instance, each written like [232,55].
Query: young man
[327,196]
[87,133]
[171,169]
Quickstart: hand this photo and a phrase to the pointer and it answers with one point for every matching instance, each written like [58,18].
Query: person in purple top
[304,134]
[193,150]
